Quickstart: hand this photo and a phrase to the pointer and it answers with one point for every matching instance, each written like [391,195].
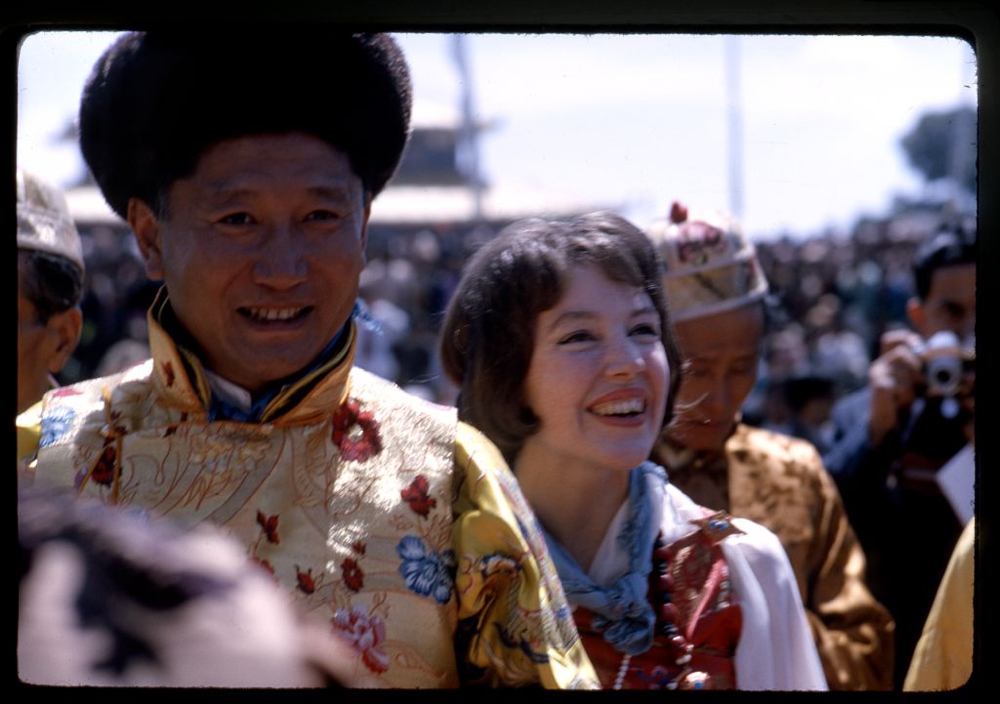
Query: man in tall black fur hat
[246,164]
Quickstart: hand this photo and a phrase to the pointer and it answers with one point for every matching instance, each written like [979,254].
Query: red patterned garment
[697,628]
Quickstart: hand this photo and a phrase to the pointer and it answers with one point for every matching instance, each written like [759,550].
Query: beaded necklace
[660,593]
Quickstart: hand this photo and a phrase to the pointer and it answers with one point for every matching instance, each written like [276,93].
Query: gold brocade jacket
[943,658]
[780,482]
[382,514]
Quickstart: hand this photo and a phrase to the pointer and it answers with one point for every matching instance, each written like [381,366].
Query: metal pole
[734,125]
[467,147]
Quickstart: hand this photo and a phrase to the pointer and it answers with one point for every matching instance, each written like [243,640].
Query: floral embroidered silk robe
[380,513]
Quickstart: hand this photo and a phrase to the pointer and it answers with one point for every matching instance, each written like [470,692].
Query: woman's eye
[646,329]
[576,336]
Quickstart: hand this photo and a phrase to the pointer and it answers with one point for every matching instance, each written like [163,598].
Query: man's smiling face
[261,252]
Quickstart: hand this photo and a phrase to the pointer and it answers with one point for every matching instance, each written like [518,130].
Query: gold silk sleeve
[28,434]
[515,625]
[943,656]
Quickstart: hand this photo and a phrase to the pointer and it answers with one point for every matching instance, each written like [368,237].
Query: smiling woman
[559,340]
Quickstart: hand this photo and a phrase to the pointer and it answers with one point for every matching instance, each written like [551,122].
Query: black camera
[939,428]
[945,362]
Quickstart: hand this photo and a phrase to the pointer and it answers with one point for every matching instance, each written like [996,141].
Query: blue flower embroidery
[55,425]
[426,572]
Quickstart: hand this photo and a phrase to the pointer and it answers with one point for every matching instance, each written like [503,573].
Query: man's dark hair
[155,101]
[488,335]
[950,246]
[799,390]
[51,283]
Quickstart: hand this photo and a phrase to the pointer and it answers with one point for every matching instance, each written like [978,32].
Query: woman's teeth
[620,408]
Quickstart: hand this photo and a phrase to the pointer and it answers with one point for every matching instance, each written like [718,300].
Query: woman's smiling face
[598,375]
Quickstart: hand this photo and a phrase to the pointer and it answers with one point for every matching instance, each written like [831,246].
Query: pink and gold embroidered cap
[710,265]
[44,222]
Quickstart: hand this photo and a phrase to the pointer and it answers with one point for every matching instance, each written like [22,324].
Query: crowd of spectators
[833,294]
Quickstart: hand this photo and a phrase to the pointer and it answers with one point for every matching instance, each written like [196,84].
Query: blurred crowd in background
[833,294]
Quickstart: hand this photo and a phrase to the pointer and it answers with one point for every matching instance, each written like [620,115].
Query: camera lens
[943,376]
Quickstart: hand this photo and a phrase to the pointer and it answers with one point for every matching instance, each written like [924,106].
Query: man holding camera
[893,437]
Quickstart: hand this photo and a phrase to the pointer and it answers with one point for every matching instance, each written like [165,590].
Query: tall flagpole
[467,148]
[734,125]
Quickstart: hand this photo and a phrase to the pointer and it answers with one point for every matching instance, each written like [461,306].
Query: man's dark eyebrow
[228,193]
[953,306]
[338,192]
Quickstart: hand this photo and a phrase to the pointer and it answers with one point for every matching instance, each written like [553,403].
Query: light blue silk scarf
[622,609]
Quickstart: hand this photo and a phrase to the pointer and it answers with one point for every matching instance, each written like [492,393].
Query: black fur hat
[156,100]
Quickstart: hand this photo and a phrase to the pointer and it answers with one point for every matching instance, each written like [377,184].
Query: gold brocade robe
[943,658]
[381,514]
[780,482]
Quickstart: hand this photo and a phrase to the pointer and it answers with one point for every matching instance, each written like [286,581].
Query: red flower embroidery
[269,524]
[168,370]
[366,632]
[305,579]
[416,496]
[345,437]
[104,470]
[359,547]
[678,213]
[700,243]
[266,564]
[354,578]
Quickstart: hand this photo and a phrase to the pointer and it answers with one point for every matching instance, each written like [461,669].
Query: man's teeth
[274,313]
[620,408]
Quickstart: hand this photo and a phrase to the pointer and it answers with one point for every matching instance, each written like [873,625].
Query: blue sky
[634,122]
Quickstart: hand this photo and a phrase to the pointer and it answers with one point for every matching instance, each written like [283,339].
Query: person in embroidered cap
[710,266]
[246,163]
[716,292]
[50,277]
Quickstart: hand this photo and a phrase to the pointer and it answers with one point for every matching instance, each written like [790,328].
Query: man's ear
[915,312]
[364,228]
[148,235]
[67,327]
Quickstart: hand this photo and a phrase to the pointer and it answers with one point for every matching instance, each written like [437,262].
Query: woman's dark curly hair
[488,334]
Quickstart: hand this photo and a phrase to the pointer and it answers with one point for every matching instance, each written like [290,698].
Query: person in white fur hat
[50,271]
[50,278]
